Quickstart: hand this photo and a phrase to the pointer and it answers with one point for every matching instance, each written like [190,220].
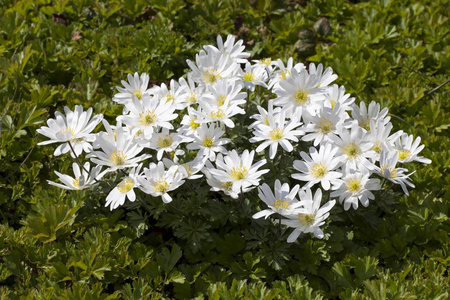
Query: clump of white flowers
[351,151]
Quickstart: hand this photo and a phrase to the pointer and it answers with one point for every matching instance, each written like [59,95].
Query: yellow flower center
[392,172]
[377,147]
[118,157]
[227,185]
[192,98]
[165,141]
[306,219]
[265,61]
[148,117]
[325,126]
[239,173]
[208,142]
[170,97]
[76,183]
[188,169]
[301,97]
[78,140]
[276,134]
[139,132]
[67,129]
[221,100]
[365,124]
[403,154]
[284,74]
[351,150]
[137,93]
[161,186]
[218,114]
[333,103]
[194,125]
[211,76]
[354,185]
[125,186]
[266,120]
[279,203]
[248,76]
[319,170]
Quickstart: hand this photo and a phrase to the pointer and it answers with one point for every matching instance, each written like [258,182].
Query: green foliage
[56,244]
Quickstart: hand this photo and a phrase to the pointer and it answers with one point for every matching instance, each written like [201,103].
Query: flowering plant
[170,135]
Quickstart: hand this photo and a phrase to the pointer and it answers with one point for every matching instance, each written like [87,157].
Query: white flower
[234,51]
[157,181]
[283,202]
[252,76]
[263,116]
[355,186]
[227,187]
[83,178]
[174,95]
[207,139]
[355,146]
[224,91]
[211,67]
[321,126]
[379,136]
[284,72]
[135,87]
[149,113]
[239,170]
[212,113]
[125,189]
[166,142]
[190,91]
[75,127]
[190,169]
[189,122]
[337,95]
[277,132]
[408,150]
[298,92]
[310,216]
[364,114]
[319,166]
[387,169]
[324,78]
[119,153]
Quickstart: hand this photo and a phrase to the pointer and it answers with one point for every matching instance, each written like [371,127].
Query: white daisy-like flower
[309,216]
[190,91]
[282,202]
[387,169]
[224,91]
[217,186]
[299,92]
[125,189]
[265,63]
[119,153]
[235,51]
[135,87]
[75,127]
[165,141]
[174,94]
[319,166]
[283,72]
[355,186]
[364,114]
[238,170]
[321,126]
[277,132]
[149,113]
[211,67]
[158,182]
[207,139]
[379,136]
[212,113]
[84,178]
[189,170]
[263,116]
[408,150]
[336,95]
[189,122]
[324,78]
[355,146]
[252,76]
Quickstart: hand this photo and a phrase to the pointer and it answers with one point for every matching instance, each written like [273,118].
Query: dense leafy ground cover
[62,244]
